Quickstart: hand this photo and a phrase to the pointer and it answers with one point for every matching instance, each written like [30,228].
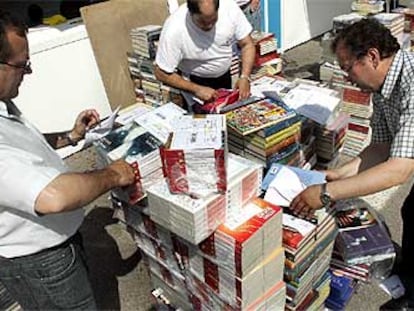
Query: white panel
[65,79]
[303,20]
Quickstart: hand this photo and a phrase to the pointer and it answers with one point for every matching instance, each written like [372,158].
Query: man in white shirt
[41,262]
[195,48]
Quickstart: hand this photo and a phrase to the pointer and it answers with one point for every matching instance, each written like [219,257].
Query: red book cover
[356,96]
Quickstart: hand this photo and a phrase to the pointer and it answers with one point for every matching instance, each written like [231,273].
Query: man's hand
[254,5]
[206,93]
[243,85]
[85,120]
[306,202]
[124,172]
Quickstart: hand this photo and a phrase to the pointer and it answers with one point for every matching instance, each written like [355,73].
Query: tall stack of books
[239,266]
[265,131]
[141,66]
[308,243]
[358,105]
[329,141]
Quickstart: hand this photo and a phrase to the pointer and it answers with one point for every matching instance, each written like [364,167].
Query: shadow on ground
[105,260]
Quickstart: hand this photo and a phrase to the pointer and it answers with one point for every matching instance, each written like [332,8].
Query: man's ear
[374,57]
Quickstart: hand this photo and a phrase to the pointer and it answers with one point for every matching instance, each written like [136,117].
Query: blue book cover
[283,183]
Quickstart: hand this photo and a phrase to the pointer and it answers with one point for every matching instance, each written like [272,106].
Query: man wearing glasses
[372,58]
[41,261]
[195,48]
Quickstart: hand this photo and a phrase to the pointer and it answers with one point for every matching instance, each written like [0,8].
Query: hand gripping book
[283,183]
[141,150]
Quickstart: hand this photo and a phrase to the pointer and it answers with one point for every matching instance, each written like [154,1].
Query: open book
[283,183]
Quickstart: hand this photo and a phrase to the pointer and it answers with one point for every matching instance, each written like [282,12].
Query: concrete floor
[118,275]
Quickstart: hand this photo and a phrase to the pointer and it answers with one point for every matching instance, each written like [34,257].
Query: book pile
[363,248]
[362,237]
[265,131]
[332,73]
[238,267]
[139,148]
[358,105]
[308,243]
[308,143]
[243,259]
[145,40]
[342,288]
[195,219]
[367,7]
[341,21]
[308,250]
[266,47]
[195,157]
[394,22]
[330,139]
[141,67]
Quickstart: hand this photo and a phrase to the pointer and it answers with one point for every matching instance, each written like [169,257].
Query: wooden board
[108,25]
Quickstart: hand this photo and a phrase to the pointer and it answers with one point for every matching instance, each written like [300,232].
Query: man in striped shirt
[372,58]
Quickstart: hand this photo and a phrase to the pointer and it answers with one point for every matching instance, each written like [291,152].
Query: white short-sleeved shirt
[27,165]
[205,54]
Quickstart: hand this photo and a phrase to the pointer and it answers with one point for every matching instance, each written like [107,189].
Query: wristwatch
[242,76]
[325,197]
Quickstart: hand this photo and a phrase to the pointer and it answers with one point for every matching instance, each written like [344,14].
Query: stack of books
[367,7]
[194,159]
[394,22]
[308,243]
[145,40]
[341,21]
[358,105]
[141,65]
[342,288]
[265,131]
[139,148]
[240,262]
[266,47]
[362,237]
[330,140]
[238,267]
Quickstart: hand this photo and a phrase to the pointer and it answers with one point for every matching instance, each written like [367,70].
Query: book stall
[209,207]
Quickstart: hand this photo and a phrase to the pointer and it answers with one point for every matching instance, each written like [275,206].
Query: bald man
[195,48]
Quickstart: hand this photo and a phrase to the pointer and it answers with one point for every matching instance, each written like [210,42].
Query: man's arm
[393,172]
[85,120]
[74,190]
[177,81]
[248,52]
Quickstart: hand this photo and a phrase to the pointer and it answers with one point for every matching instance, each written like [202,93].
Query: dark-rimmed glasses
[26,67]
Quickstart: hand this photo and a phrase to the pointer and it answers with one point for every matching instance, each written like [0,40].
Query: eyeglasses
[349,68]
[26,67]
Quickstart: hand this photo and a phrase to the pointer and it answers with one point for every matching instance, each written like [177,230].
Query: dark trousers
[223,81]
[407,252]
[52,279]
